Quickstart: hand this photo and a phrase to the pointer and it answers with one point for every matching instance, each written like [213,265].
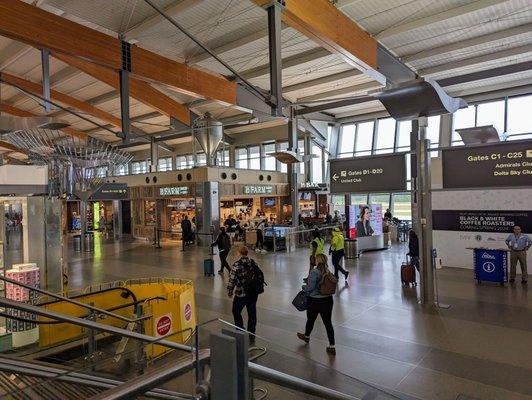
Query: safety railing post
[141,359]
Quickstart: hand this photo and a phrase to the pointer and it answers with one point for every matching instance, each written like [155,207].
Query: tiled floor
[480,348]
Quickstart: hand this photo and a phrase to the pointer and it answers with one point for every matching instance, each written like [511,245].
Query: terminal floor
[480,348]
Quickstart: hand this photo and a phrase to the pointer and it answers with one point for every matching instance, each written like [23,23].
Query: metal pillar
[292,169]
[424,215]
[83,222]
[154,155]
[308,163]
[207,212]
[124,91]
[45,63]
[276,69]
[117,219]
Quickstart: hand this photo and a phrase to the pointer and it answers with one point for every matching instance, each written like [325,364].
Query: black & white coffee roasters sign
[368,174]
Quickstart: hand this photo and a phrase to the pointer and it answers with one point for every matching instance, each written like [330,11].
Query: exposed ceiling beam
[41,29]
[138,89]
[486,74]
[291,61]
[320,81]
[8,146]
[11,53]
[350,90]
[23,113]
[331,29]
[516,51]
[36,88]
[464,44]
[172,10]
[436,18]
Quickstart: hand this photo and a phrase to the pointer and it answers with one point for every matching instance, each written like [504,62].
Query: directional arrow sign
[386,173]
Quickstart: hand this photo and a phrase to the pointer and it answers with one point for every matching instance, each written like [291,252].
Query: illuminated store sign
[258,189]
[498,165]
[173,191]
[368,174]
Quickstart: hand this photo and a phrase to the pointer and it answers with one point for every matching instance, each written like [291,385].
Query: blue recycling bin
[491,265]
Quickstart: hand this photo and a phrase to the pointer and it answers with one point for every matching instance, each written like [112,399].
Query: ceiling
[436,38]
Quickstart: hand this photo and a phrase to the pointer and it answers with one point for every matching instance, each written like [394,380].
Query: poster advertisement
[375,220]
[481,220]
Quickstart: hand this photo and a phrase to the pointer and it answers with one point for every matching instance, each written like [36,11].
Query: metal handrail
[77,303]
[8,303]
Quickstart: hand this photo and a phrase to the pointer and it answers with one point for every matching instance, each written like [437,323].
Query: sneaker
[331,350]
[346,275]
[303,337]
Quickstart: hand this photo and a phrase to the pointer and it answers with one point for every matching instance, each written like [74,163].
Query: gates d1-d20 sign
[368,174]
[498,165]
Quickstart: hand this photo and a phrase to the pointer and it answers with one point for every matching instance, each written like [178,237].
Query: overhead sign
[111,191]
[499,165]
[481,220]
[173,191]
[252,189]
[368,174]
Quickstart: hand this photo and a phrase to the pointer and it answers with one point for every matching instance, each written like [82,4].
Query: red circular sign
[163,325]
[188,312]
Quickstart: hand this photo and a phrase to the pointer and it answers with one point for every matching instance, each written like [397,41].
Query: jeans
[223,260]
[250,302]
[320,306]
[337,256]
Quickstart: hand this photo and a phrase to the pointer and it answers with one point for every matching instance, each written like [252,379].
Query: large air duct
[209,133]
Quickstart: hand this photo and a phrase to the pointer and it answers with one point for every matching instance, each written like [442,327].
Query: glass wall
[241,158]
[317,164]
[254,157]
[165,164]
[519,122]
[122,169]
[385,140]
[270,164]
[139,167]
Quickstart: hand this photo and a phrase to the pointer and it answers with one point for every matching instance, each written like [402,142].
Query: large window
[242,158]
[254,157]
[382,199]
[491,113]
[317,164]
[165,164]
[184,162]
[139,167]
[222,157]
[519,116]
[270,164]
[385,136]
[101,172]
[347,141]
[201,159]
[403,140]
[364,138]
[122,169]
[359,199]
[463,118]
[402,207]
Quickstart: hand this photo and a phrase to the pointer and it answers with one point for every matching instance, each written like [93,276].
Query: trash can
[89,242]
[76,242]
[351,248]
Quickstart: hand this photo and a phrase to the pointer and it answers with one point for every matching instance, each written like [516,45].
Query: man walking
[518,243]
[337,251]
[246,282]
[224,246]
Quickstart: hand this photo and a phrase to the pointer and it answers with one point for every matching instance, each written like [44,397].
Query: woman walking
[318,303]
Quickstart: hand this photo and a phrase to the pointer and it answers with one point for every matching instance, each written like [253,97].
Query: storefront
[253,203]
[313,201]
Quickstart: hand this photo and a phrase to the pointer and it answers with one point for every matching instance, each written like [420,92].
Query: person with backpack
[319,289]
[246,282]
[223,241]
[337,252]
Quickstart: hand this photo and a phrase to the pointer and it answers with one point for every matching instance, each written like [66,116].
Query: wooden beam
[138,89]
[8,146]
[330,28]
[23,113]
[32,25]
[65,99]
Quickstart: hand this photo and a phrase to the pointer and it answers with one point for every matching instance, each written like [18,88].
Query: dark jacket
[223,244]
[413,247]
[186,226]
[364,232]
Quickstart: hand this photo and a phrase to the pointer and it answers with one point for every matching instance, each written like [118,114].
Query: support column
[45,62]
[446,130]
[207,211]
[117,219]
[293,169]
[232,156]
[154,155]
[308,163]
[124,90]
[83,222]
[424,215]
[276,78]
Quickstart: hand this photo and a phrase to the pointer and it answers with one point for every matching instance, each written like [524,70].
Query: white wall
[452,246]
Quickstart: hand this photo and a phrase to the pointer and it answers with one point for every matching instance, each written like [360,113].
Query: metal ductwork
[418,98]
[10,123]
[209,134]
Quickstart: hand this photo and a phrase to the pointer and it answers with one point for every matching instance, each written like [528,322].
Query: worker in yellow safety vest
[337,251]
[317,246]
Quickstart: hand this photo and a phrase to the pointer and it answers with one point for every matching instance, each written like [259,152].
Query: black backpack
[253,282]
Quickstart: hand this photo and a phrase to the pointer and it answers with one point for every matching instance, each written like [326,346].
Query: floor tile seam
[429,350]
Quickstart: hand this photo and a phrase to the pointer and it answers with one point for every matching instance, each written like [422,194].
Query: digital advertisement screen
[368,174]
[499,165]
[375,220]
[269,202]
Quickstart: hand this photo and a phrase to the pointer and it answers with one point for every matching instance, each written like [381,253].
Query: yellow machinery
[163,307]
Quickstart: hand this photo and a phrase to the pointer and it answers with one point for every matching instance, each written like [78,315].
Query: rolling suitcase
[408,273]
[208,264]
